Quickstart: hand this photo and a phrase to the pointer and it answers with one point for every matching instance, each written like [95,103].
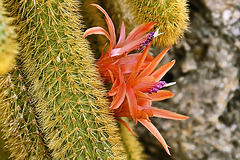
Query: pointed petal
[155,132]
[132,102]
[114,52]
[150,68]
[119,98]
[162,113]
[111,75]
[113,91]
[96,30]
[139,31]
[141,94]
[126,125]
[110,25]
[144,79]
[161,95]
[144,103]
[158,74]
[144,84]
[121,37]
[138,65]
[128,47]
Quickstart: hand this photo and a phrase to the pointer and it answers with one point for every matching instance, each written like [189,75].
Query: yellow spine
[18,121]
[133,147]
[70,100]
[171,15]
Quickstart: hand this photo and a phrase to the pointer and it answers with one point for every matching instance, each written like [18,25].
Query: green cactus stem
[171,15]
[133,147]
[18,120]
[3,152]
[70,101]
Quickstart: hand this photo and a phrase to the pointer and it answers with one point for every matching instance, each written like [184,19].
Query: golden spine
[171,15]
[132,146]
[70,101]
[18,120]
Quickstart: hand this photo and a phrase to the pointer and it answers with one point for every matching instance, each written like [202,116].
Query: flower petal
[161,95]
[126,125]
[162,113]
[144,84]
[138,65]
[158,74]
[121,37]
[139,31]
[96,30]
[155,132]
[132,102]
[144,103]
[150,68]
[110,25]
[141,94]
[119,98]
[128,47]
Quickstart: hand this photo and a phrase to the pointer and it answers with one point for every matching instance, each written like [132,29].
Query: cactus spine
[70,100]
[3,152]
[8,44]
[171,15]
[132,145]
[18,119]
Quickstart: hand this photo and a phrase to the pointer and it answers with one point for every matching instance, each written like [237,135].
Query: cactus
[70,101]
[3,152]
[18,120]
[171,15]
[8,44]
[132,145]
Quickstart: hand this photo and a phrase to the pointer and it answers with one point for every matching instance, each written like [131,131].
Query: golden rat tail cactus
[8,44]
[18,121]
[70,101]
[171,15]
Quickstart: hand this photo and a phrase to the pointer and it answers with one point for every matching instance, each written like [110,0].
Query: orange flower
[133,95]
[136,84]
[107,62]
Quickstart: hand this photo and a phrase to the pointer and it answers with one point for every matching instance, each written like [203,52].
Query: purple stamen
[147,42]
[157,87]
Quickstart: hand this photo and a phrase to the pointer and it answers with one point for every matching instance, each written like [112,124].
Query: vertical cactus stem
[133,147]
[64,82]
[171,15]
[18,121]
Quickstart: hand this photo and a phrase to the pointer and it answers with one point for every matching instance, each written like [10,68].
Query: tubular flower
[135,82]
[107,63]
[133,95]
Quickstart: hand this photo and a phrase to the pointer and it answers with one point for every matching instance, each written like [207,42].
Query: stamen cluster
[147,42]
[157,87]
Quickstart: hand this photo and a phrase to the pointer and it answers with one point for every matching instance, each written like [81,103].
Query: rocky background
[207,73]
[207,89]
